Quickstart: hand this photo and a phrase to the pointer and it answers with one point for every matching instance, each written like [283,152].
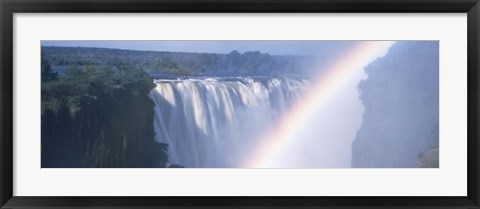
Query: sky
[292,47]
[337,114]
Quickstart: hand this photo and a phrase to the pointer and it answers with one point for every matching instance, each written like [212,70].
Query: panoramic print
[239,104]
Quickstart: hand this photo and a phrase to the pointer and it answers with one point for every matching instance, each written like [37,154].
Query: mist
[216,122]
[385,116]
[401,119]
[242,104]
[324,141]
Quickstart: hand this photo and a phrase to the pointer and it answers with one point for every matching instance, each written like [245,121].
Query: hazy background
[272,47]
[391,118]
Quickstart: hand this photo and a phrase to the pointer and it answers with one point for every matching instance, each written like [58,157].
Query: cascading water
[213,122]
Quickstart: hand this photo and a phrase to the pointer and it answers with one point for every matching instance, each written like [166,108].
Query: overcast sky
[271,47]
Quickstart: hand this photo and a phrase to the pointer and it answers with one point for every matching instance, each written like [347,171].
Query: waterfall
[213,122]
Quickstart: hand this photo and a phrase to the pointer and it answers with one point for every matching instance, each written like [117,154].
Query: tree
[47,74]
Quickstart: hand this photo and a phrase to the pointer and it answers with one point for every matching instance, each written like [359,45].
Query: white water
[213,122]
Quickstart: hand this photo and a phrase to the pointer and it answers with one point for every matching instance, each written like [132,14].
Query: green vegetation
[98,116]
[176,63]
[95,108]
[46,72]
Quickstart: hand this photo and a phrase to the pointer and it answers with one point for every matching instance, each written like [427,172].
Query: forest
[95,108]
[98,117]
[172,63]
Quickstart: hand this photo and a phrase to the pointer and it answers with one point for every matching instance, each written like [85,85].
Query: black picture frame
[9,7]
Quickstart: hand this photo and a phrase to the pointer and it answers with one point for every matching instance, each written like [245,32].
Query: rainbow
[336,75]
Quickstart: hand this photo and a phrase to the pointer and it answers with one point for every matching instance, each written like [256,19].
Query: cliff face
[401,115]
[429,159]
[99,118]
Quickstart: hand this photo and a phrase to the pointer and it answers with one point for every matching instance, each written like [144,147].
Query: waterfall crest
[213,122]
